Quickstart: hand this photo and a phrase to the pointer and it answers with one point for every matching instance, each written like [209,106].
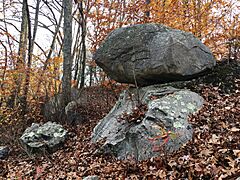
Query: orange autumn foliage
[214,22]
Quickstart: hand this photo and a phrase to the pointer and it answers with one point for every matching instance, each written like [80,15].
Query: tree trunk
[22,49]
[67,56]
[84,31]
[27,79]
[185,15]
[147,13]
[50,51]
[2,81]
[53,41]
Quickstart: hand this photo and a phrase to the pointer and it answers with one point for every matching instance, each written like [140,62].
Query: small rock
[47,136]
[4,150]
[91,178]
[72,114]
[53,109]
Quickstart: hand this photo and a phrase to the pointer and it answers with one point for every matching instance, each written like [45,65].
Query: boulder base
[167,112]
[152,54]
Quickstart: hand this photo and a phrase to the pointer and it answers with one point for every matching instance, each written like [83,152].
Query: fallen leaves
[205,152]
[215,139]
[214,152]
[234,129]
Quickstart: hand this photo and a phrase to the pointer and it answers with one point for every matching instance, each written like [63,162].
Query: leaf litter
[213,153]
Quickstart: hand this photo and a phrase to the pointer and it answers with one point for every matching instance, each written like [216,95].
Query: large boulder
[48,136]
[151,54]
[130,130]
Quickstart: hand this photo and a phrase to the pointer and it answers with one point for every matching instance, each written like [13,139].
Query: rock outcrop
[128,129]
[48,136]
[152,54]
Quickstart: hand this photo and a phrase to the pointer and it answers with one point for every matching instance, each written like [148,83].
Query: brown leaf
[161,173]
[236,152]
[231,162]
[172,163]
[198,167]
[222,150]
[205,152]
[230,171]
[214,139]
[234,129]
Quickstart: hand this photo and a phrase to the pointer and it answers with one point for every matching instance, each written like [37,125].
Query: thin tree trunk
[163,10]
[90,75]
[5,24]
[147,13]
[35,28]
[50,51]
[53,41]
[186,13]
[67,56]
[199,5]
[4,71]
[77,52]
[21,58]
[77,59]
[27,79]
[84,31]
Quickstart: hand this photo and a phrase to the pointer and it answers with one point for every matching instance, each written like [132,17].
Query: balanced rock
[48,136]
[130,131]
[152,53]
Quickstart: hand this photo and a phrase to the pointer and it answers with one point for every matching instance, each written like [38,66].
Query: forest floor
[214,152]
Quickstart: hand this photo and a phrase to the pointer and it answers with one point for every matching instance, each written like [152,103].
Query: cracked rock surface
[152,54]
[168,109]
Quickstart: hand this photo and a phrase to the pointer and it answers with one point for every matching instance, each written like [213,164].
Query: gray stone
[4,150]
[47,136]
[73,116]
[91,178]
[152,54]
[168,109]
[54,109]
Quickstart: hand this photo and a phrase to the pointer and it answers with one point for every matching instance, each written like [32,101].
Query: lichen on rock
[43,137]
[167,111]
